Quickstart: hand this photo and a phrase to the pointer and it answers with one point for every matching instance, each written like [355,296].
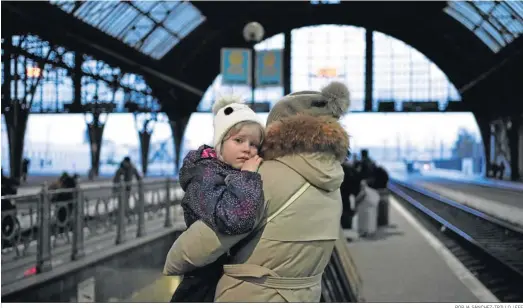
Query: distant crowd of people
[359,172]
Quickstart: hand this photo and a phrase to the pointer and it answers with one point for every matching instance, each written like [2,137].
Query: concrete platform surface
[160,291]
[483,199]
[503,203]
[403,263]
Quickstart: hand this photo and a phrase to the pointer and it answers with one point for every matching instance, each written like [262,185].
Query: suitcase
[367,212]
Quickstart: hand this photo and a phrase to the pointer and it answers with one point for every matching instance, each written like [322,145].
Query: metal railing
[341,282]
[52,227]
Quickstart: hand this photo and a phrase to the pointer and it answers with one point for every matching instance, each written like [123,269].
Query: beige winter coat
[284,261]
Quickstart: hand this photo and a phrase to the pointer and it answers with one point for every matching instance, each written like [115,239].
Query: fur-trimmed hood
[304,134]
[312,146]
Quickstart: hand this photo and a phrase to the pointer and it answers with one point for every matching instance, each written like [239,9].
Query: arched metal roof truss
[496,23]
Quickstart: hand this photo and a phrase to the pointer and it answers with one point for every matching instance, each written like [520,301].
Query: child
[222,188]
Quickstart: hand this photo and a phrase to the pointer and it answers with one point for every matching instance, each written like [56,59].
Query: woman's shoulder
[276,175]
[269,166]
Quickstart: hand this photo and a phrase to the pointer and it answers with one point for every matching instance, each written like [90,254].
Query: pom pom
[338,98]
[224,101]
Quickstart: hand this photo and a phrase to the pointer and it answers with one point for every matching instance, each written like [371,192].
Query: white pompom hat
[229,111]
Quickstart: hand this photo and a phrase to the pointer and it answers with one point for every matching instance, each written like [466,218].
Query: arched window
[401,73]
[324,53]
[321,54]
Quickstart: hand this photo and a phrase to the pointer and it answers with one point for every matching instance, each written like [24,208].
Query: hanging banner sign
[269,68]
[236,66]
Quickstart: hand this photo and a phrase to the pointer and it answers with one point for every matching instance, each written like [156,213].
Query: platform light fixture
[253,32]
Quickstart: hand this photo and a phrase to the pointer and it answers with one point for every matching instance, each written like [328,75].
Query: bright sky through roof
[366,129]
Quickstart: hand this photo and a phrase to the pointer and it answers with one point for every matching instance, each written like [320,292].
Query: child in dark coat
[222,188]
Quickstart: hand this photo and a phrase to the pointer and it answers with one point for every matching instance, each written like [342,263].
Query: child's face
[241,145]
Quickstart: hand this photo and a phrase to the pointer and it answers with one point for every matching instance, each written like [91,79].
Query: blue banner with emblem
[269,68]
[236,66]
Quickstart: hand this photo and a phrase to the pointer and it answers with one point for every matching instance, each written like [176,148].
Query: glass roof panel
[138,31]
[118,23]
[456,15]
[167,45]
[152,27]
[154,39]
[190,26]
[171,4]
[67,6]
[494,33]
[103,20]
[516,6]
[145,6]
[510,18]
[485,6]
[160,12]
[468,11]
[94,13]
[496,23]
[182,17]
[487,39]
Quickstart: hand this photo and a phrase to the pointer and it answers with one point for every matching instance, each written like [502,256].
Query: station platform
[474,179]
[401,263]
[34,183]
[502,204]
[160,291]
[399,169]
[37,179]
[405,263]
[500,199]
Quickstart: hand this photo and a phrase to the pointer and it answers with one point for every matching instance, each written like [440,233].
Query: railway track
[491,249]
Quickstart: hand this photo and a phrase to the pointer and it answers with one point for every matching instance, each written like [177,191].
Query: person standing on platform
[351,186]
[284,258]
[25,169]
[126,171]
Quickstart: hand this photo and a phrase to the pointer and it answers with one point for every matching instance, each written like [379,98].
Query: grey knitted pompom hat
[333,100]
